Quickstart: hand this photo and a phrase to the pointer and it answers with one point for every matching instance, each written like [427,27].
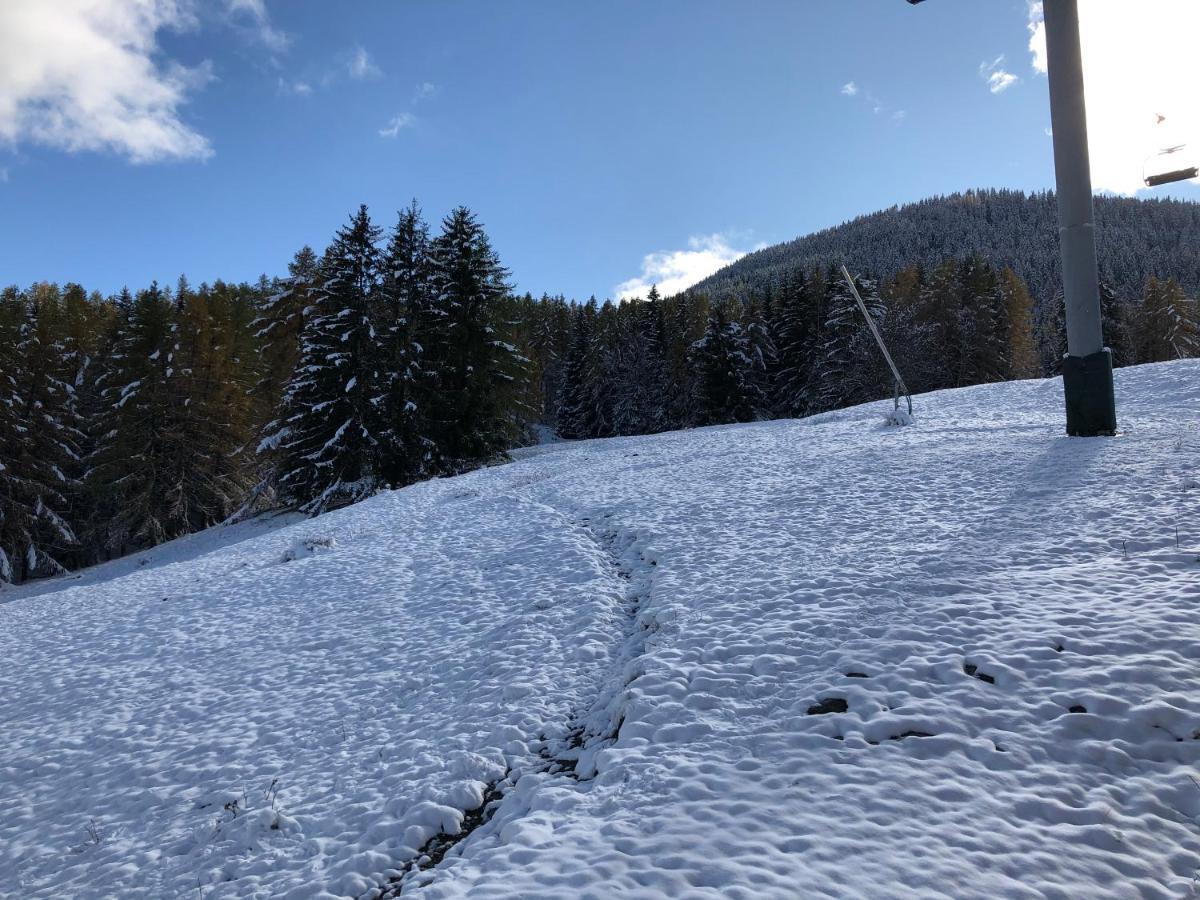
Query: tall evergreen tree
[795,339]
[846,349]
[329,452]
[406,392]
[724,362]
[1018,320]
[134,427]
[641,370]
[474,367]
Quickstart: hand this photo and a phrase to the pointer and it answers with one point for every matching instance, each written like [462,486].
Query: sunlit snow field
[803,658]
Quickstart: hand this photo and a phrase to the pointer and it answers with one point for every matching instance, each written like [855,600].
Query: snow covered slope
[793,659]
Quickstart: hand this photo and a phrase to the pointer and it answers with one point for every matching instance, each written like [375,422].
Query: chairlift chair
[1170,164]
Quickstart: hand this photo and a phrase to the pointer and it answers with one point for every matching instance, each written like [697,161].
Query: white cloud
[299,88]
[676,270]
[997,77]
[1037,36]
[361,66]
[396,124]
[1138,61]
[878,107]
[256,12]
[87,75]
[424,91]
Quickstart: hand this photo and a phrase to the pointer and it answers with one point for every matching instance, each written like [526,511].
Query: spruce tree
[724,362]
[845,354]
[641,372]
[133,431]
[38,440]
[575,405]
[794,339]
[328,450]
[475,369]
[405,391]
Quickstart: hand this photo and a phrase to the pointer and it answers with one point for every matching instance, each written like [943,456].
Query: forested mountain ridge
[1136,239]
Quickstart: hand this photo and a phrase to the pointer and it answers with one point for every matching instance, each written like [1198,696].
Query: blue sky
[603,144]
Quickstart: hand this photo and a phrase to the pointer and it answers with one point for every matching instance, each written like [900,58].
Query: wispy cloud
[255,12]
[361,66]
[676,270]
[998,78]
[88,75]
[396,124]
[854,90]
[426,90]
[1135,69]
[298,88]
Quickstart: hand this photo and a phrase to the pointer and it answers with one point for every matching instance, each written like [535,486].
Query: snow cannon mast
[898,416]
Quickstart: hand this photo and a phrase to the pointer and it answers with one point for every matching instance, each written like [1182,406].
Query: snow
[818,657]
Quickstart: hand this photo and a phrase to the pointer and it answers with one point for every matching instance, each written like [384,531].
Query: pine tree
[475,416]
[328,451]
[1165,325]
[1018,320]
[938,310]
[133,433]
[1115,326]
[983,325]
[278,326]
[405,392]
[640,405]
[846,364]
[794,344]
[575,406]
[38,440]
[724,362]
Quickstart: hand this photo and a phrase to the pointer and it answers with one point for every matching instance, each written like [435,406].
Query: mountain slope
[1136,239]
[816,657]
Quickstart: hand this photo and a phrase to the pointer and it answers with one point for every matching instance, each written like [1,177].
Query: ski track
[804,658]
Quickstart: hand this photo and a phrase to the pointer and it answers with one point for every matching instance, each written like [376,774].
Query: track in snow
[590,730]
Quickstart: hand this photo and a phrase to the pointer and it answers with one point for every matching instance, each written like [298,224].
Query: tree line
[797,345]
[395,356]
[129,420]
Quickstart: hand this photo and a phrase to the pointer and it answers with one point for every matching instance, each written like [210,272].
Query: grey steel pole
[1087,368]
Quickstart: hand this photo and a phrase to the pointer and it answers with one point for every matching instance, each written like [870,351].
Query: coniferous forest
[401,353]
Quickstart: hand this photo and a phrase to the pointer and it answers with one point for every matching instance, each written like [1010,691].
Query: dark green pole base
[1088,386]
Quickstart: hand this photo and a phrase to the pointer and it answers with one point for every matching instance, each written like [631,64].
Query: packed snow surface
[803,658]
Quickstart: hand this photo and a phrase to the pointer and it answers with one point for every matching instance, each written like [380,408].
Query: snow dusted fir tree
[641,383]
[404,390]
[38,437]
[724,358]
[278,326]
[327,439]
[1166,324]
[794,328]
[844,354]
[134,427]
[472,419]
[576,407]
